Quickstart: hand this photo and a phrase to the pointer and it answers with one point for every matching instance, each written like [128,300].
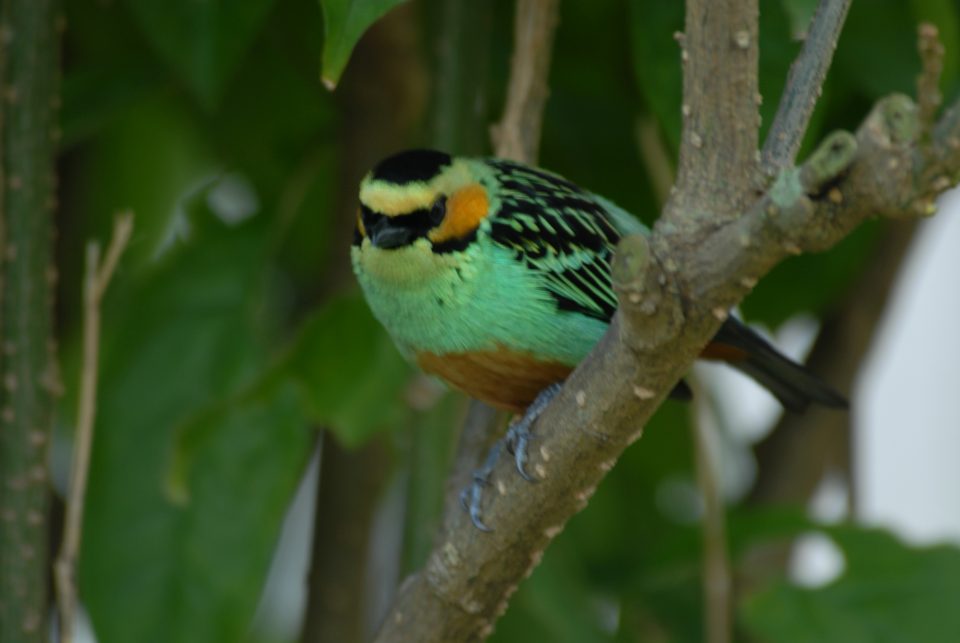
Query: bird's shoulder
[560,231]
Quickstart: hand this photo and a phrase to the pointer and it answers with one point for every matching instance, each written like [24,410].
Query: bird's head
[421,194]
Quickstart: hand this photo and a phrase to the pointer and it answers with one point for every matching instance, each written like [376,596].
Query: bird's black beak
[389,236]
[392,232]
[386,234]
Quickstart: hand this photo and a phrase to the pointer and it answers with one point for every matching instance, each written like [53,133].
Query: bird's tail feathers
[791,383]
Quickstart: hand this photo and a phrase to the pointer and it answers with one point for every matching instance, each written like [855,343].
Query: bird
[495,276]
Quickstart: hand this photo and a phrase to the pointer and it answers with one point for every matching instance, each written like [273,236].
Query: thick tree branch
[29,73]
[672,299]
[803,86]
[675,289]
[721,117]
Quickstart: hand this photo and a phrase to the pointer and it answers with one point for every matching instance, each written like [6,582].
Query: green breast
[478,299]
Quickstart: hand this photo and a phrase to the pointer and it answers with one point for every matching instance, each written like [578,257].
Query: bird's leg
[472,494]
[516,440]
[519,433]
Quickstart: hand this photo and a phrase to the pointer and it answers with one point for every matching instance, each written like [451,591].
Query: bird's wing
[561,232]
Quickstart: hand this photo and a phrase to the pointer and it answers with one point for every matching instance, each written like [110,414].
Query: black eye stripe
[419,221]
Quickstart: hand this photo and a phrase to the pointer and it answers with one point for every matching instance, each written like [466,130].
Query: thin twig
[929,97]
[716,561]
[653,153]
[517,135]
[97,277]
[803,86]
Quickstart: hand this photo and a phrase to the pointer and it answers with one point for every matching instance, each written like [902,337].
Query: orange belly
[511,380]
[502,378]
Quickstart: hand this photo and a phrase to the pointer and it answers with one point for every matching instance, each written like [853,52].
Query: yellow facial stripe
[394,200]
[466,208]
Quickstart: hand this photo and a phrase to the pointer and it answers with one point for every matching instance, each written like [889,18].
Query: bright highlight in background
[907,402]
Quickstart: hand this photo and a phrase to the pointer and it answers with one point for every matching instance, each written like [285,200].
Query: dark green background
[227,344]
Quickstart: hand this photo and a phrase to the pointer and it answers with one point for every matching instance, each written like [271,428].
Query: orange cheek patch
[466,208]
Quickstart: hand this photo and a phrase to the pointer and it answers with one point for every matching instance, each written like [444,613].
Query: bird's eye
[438,211]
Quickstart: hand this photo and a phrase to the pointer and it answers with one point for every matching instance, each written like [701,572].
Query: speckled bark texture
[28,379]
[729,220]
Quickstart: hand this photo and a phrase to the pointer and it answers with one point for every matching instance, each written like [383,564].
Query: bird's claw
[470,501]
[516,441]
[517,438]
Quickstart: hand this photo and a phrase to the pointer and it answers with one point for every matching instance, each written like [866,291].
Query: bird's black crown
[411,166]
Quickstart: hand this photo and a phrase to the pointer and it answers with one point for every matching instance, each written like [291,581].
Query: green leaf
[153,185]
[351,372]
[253,454]
[239,464]
[180,339]
[800,12]
[344,21]
[889,592]
[201,40]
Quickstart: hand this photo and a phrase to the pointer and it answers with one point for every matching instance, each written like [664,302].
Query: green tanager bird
[495,277]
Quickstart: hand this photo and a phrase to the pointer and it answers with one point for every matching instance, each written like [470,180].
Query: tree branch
[96,280]
[672,300]
[29,381]
[517,135]
[675,289]
[717,583]
[803,87]
[928,82]
[793,459]
[721,117]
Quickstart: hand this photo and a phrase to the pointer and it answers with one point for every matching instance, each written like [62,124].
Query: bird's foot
[516,441]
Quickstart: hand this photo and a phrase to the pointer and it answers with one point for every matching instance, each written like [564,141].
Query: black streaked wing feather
[560,232]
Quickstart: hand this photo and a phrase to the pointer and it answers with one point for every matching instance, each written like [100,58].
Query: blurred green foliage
[889,592]
[221,352]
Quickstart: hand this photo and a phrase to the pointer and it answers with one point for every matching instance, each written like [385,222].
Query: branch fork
[705,253]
